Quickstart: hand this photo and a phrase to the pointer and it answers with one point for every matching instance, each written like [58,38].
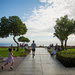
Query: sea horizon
[14,44]
[8,44]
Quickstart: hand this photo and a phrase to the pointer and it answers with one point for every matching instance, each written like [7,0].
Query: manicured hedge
[67,59]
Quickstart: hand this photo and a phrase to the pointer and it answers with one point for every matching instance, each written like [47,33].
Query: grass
[4,52]
[69,53]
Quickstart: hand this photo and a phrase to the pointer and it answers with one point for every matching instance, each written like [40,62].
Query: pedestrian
[10,59]
[33,45]
[56,47]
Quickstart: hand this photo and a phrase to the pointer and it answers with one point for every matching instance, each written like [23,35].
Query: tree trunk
[65,44]
[16,43]
[62,48]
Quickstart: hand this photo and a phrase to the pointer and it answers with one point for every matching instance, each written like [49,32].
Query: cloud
[44,1]
[41,23]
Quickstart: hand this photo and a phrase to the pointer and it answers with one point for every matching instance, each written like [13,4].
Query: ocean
[8,44]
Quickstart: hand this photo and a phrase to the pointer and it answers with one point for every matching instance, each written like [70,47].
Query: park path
[42,64]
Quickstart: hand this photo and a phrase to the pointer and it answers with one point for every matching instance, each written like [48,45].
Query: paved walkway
[42,64]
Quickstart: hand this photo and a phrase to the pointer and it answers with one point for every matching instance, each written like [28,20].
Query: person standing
[33,45]
[56,47]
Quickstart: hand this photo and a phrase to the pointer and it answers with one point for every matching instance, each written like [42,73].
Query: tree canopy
[17,27]
[4,29]
[63,28]
[12,26]
[23,39]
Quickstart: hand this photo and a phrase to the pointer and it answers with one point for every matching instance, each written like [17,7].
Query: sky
[40,18]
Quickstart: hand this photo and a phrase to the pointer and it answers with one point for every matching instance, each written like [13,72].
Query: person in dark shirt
[33,45]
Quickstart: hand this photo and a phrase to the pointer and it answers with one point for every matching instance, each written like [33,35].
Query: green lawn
[68,53]
[4,52]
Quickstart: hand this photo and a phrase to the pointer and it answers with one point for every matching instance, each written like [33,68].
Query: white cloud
[42,21]
[43,1]
[40,24]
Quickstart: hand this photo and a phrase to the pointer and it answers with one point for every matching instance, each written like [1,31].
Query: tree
[59,34]
[69,30]
[63,28]
[17,27]
[4,31]
[12,26]
[74,27]
[23,39]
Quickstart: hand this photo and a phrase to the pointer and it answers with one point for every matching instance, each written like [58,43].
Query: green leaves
[12,26]
[23,39]
[17,27]
[63,28]
[4,31]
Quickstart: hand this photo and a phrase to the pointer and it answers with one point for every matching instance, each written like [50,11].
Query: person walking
[10,59]
[33,45]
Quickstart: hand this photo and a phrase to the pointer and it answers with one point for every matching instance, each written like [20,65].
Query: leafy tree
[69,29]
[59,34]
[23,39]
[74,27]
[12,26]
[4,31]
[17,27]
[63,28]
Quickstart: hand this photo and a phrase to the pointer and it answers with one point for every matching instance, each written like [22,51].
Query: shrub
[67,58]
